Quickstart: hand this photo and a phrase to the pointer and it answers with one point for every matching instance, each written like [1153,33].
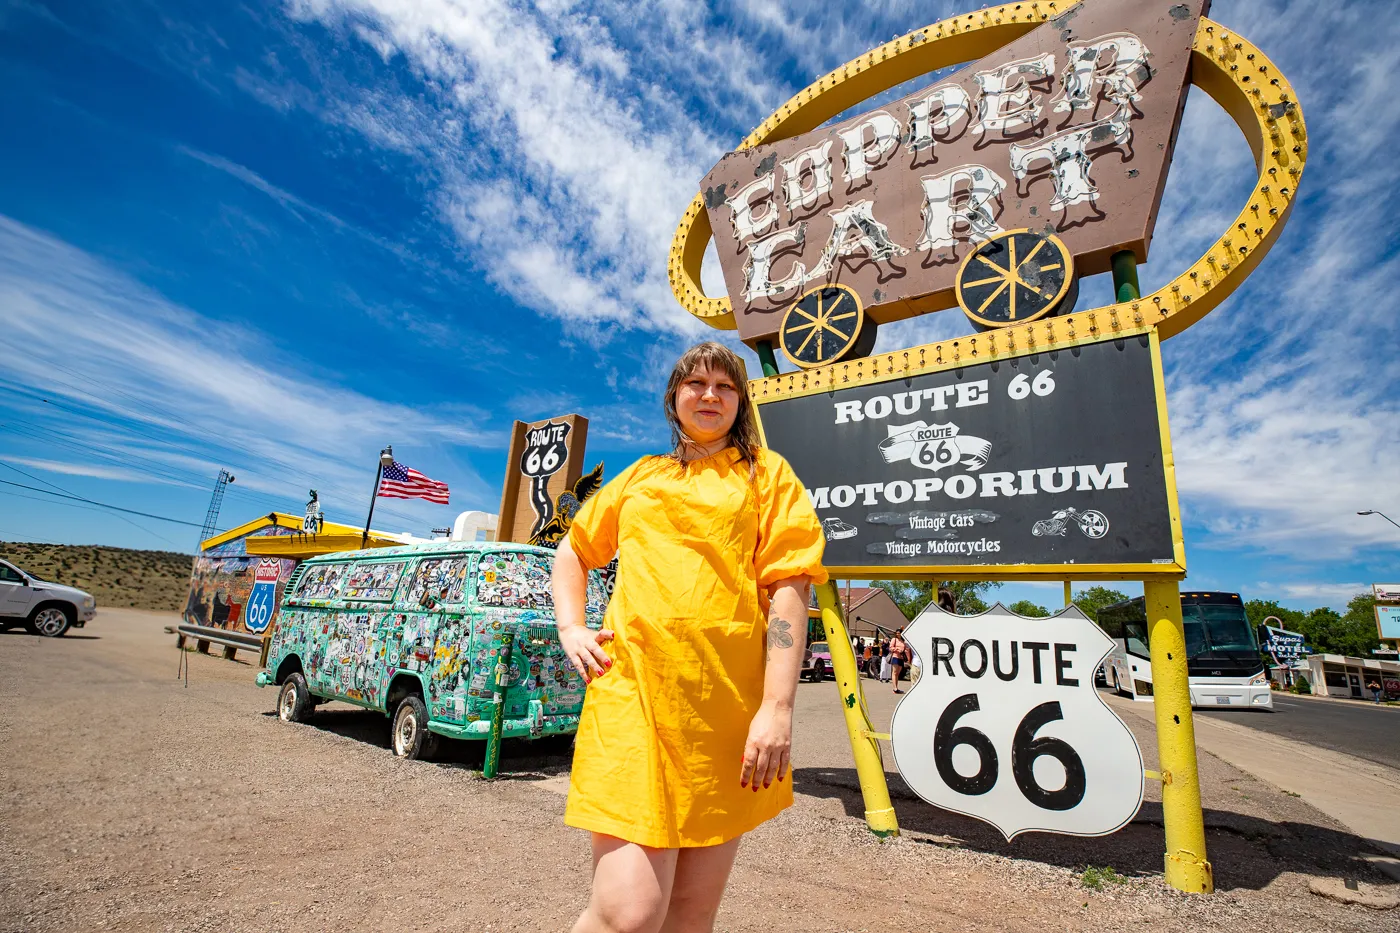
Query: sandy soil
[129,801]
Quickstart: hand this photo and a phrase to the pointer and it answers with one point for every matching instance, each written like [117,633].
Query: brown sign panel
[1068,130]
[546,458]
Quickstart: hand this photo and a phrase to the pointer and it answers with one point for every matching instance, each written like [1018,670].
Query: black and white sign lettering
[1005,724]
[1051,458]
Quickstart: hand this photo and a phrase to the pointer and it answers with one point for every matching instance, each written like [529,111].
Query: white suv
[48,609]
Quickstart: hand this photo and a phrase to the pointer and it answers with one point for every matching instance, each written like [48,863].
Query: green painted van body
[369,627]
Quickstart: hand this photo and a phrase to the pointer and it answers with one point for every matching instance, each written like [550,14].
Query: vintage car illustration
[835,529]
[415,632]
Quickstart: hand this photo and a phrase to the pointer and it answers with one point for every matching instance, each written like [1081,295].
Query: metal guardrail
[204,636]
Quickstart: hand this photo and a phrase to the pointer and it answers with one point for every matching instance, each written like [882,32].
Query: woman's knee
[635,912]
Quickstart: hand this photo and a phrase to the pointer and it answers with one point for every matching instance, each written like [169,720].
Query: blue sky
[272,237]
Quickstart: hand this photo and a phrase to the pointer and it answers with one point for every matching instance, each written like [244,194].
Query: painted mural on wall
[445,627]
[223,583]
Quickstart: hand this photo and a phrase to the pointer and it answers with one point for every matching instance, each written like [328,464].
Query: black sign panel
[1038,462]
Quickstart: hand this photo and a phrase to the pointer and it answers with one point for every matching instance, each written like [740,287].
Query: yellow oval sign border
[1236,75]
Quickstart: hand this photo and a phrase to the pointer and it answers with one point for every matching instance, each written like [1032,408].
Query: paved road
[1359,729]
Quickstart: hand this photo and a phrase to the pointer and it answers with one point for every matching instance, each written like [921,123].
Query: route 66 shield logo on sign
[934,446]
[1005,724]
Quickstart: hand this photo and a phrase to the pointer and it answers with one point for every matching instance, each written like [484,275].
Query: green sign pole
[766,357]
[1125,280]
[498,707]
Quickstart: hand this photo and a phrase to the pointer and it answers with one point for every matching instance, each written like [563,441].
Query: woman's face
[707,403]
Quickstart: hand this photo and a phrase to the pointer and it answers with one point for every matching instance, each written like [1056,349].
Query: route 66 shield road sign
[1005,724]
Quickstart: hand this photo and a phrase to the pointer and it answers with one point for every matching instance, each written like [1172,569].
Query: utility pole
[211,517]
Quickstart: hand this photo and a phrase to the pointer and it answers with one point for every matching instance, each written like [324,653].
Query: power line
[115,508]
[39,479]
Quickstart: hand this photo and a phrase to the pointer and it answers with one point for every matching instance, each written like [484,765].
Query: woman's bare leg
[632,886]
[700,876]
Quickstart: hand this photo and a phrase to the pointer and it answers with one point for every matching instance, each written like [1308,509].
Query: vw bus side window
[600,588]
[321,581]
[375,580]
[512,580]
[443,579]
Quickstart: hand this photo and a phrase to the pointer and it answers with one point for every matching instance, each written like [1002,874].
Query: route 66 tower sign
[1005,724]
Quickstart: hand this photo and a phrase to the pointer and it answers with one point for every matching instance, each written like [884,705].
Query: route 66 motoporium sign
[1005,724]
[1052,463]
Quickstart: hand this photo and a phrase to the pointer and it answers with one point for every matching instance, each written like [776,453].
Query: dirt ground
[131,802]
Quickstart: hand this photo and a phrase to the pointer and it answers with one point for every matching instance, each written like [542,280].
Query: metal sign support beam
[1186,866]
[879,812]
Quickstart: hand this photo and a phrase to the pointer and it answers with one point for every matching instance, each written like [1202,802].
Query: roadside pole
[1068,598]
[879,812]
[1187,868]
[498,707]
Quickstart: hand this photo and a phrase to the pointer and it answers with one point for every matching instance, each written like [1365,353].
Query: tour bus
[414,632]
[1222,651]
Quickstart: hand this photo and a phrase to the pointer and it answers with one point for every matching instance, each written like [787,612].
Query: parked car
[44,608]
[816,661]
[415,632]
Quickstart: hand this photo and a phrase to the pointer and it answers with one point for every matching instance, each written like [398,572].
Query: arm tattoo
[779,631]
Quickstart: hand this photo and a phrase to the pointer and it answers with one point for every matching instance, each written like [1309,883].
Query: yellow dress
[661,742]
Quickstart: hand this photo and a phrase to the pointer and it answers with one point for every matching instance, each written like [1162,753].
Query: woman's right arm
[582,644]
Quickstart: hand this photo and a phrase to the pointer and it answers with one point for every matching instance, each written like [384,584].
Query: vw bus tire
[410,737]
[50,621]
[294,702]
[819,671]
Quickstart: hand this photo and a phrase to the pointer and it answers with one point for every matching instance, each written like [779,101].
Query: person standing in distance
[899,657]
[684,741]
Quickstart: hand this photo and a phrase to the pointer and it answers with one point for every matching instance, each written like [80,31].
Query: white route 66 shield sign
[1005,724]
[934,446]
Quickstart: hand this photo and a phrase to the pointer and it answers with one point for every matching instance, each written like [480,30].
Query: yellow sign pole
[879,812]
[1068,598]
[1186,866]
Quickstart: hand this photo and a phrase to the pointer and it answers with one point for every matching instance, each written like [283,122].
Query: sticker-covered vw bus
[415,632]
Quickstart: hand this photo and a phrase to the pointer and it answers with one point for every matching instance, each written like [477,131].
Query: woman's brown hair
[743,435]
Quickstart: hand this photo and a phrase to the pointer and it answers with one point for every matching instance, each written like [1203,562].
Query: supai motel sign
[1037,445]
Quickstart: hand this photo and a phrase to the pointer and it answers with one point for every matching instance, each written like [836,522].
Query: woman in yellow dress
[687,724]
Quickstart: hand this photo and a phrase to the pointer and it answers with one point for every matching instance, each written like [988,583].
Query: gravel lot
[133,802]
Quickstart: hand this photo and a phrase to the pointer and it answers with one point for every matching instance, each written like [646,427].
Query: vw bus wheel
[411,738]
[819,671]
[51,621]
[294,702]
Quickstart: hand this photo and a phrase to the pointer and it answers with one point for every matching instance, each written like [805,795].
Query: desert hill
[115,576]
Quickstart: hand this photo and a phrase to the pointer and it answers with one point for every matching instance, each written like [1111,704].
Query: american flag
[401,482]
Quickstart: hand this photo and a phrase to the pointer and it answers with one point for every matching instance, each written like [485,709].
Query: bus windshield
[1218,631]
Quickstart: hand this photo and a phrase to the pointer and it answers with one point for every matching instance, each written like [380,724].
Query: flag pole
[385,455]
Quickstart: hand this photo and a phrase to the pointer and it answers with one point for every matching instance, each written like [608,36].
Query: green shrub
[1301,685]
[1098,878]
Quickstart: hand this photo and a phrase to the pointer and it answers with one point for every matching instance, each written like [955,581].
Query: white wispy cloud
[93,470]
[176,388]
[1335,595]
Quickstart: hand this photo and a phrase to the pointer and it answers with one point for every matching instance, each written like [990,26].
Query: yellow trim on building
[308,546]
[300,547]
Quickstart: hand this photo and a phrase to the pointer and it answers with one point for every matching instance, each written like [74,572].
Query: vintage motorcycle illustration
[1092,522]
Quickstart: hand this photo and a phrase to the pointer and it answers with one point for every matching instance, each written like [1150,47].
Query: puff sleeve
[790,538]
[594,532]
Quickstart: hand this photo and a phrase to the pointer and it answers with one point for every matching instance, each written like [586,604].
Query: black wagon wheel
[1014,277]
[825,325]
